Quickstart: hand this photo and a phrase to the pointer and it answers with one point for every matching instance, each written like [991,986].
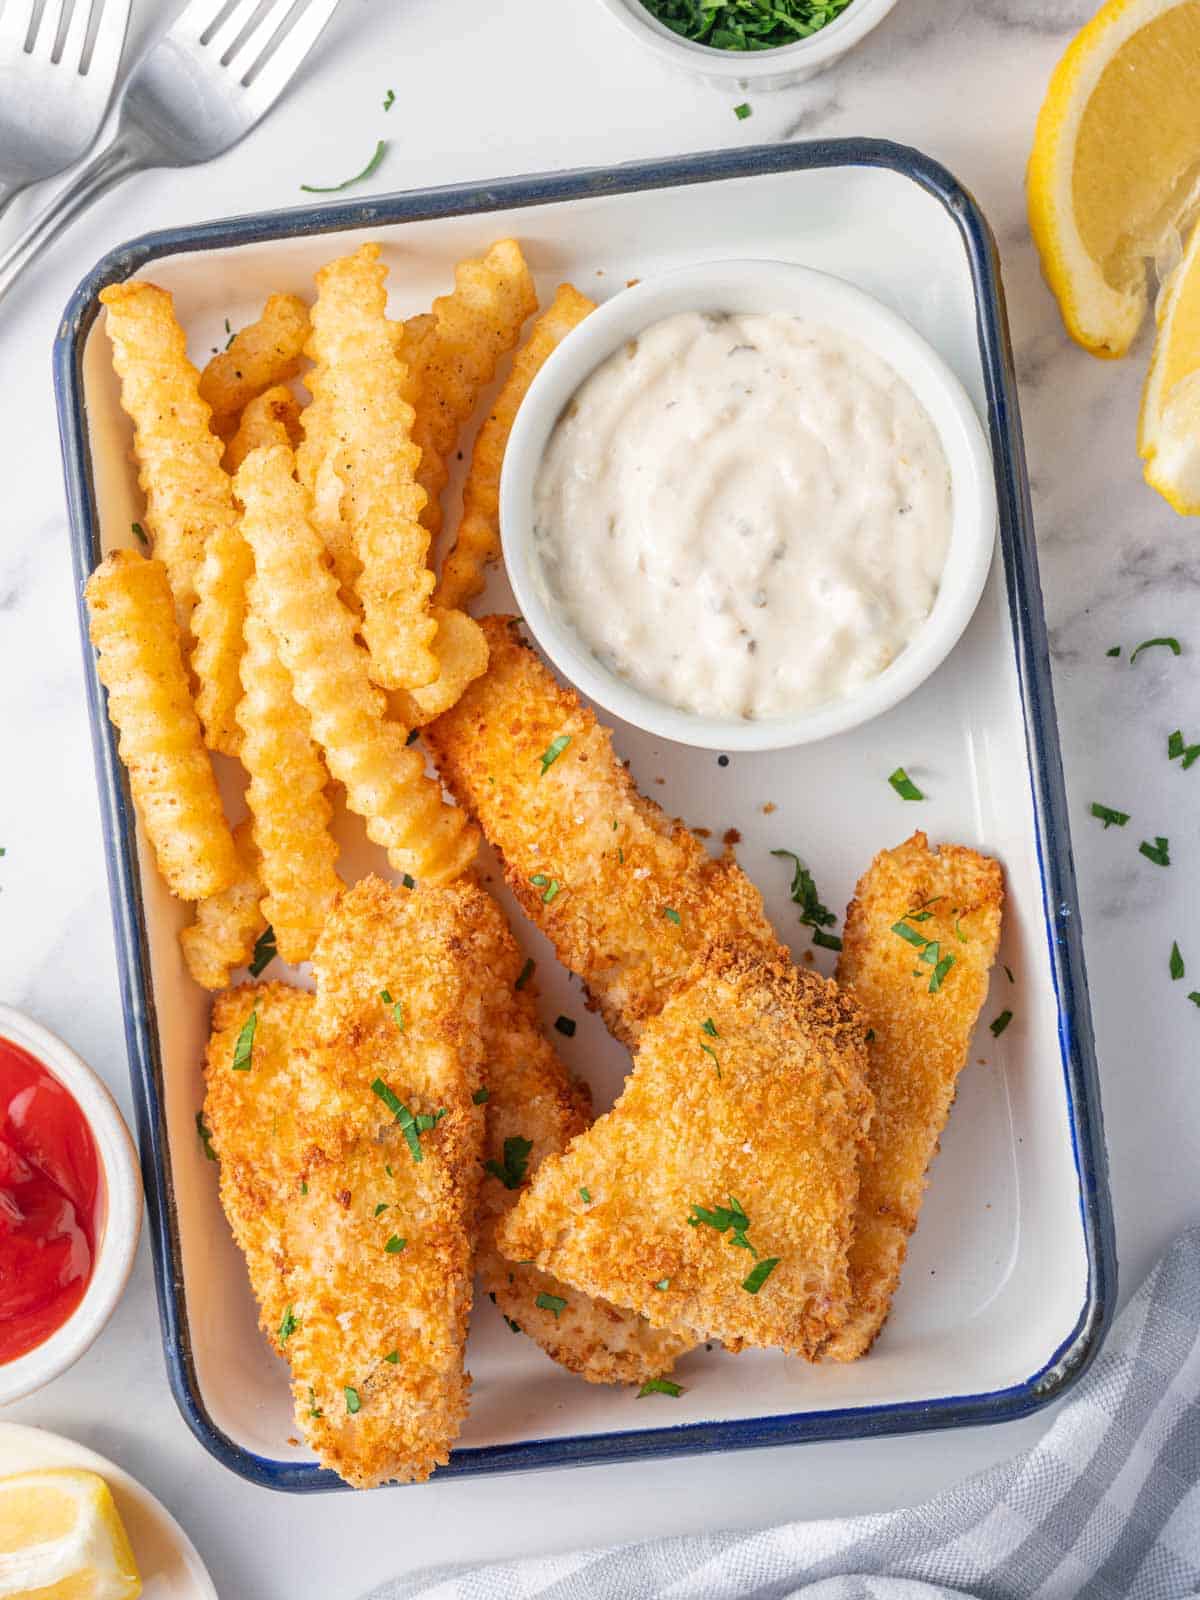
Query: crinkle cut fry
[476,324]
[385,781]
[286,794]
[721,1186]
[627,896]
[264,353]
[462,656]
[358,387]
[272,417]
[532,1100]
[477,541]
[920,1044]
[170,772]
[227,925]
[399,996]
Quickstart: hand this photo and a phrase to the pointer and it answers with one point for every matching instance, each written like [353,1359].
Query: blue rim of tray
[1060,902]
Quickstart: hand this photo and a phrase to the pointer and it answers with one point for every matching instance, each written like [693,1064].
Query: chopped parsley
[397,1007]
[904,786]
[393,1356]
[709,1027]
[1109,817]
[1177,747]
[551,886]
[553,750]
[1174,744]
[1194,997]
[1158,852]
[381,1208]
[672,916]
[353,1403]
[513,1327]
[314,1409]
[1173,645]
[409,881]
[413,735]
[730,1219]
[1000,1023]
[395,1244]
[389,100]
[759,1274]
[205,1133]
[939,973]
[565,1025]
[348,183]
[660,1386]
[1008,971]
[1176,962]
[411,1127]
[289,1325]
[516,1160]
[527,972]
[551,1302]
[709,1051]
[139,533]
[1115,650]
[813,914]
[480,1097]
[869,1036]
[910,934]
[743,111]
[264,952]
[585,1195]
[243,1050]
[745,24]
[663,1283]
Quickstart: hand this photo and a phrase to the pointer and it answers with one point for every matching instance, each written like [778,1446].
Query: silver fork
[57,72]
[201,87]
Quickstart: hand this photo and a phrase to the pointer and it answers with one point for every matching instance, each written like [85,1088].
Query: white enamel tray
[1011,1275]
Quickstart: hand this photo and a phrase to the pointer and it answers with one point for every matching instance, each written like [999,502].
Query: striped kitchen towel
[1106,1505]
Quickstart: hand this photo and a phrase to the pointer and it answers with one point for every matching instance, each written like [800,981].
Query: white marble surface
[522,85]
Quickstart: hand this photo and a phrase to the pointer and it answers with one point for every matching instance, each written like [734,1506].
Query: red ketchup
[49,1193]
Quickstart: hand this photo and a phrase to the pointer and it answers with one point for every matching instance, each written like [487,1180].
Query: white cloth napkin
[1106,1505]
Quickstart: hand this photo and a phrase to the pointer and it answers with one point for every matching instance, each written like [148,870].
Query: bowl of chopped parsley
[751,44]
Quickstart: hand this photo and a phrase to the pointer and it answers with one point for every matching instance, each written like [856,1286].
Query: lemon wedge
[61,1538]
[1115,160]
[1169,425]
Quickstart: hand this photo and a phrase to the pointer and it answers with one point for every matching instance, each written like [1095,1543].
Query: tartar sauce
[743,515]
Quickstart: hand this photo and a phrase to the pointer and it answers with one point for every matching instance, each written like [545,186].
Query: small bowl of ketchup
[70,1205]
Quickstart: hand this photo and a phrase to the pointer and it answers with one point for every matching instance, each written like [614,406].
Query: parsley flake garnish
[289,1325]
[585,1194]
[1176,962]
[1000,1023]
[480,1097]
[709,1027]
[348,183]
[314,1409]
[672,916]
[264,952]
[746,24]
[1173,645]
[663,1283]
[551,886]
[743,111]
[565,1025]
[1114,651]
[1158,852]
[759,1274]
[393,1356]
[1194,997]
[409,881]
[904,786]
[552,752]
[709,1051]
[513,1327]
[205,1133]
[397,1007]
[381,1208]
[353,1403]
[526,973]
[1109,817]
[139,533]
[411,1127]
[910,934]
[395,1244]
[730,1219]
[939,972]
[516,1160]
[551,1302]
[389,100]
[660,1386]
[243,1050]
[1174,744]
[804,894]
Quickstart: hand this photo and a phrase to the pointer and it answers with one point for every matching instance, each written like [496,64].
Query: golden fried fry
[399,1002]
[134,630]
[415,340]
[721,1187]
[286,795]
[920,1042]
[217,623]
[227,924]
[462,654]
[263,353]
[627,896]
[384,780]
[476,324]
[358,387]
[272,417]
[534,1109]
[179,460]
[478,539]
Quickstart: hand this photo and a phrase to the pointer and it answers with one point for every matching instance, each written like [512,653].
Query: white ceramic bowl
[120,1213]
[751,69]
[754,286]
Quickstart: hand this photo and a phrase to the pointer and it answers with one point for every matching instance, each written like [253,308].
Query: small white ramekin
[751,69]
[753,286]
[120,1215]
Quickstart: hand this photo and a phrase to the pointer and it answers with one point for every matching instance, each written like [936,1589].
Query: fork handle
[8,193]
[125,154]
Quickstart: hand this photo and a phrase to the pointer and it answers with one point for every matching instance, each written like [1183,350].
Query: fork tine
[252,47]
[77,31]
[237,19]
[48,25]
[110,39]
[282,64]
[14,22]
[195,19]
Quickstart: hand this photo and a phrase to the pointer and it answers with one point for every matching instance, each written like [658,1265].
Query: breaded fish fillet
[950,901]
[534,1109]
[362,1144]
[627,896]
[718,1193]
